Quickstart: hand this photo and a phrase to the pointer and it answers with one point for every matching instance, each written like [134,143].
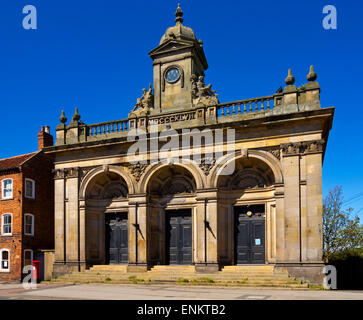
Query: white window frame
[33,188]
[3,189]
[2,224]
[1,260]
[32,231]
[31,256]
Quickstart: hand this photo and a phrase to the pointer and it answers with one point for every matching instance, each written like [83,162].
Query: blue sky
[94,55]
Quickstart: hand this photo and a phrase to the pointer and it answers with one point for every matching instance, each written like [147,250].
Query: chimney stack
[45,139]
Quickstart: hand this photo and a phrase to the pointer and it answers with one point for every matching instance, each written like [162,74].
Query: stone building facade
[256,198]
[26,208]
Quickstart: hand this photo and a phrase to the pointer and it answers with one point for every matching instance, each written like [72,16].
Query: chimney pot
[45,139]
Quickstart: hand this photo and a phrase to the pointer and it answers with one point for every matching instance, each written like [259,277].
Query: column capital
[304,147]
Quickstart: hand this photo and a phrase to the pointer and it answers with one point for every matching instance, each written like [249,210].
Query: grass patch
[131,277]
[182,280]
[317,287]
[137,280]
[108,279]
[207,280]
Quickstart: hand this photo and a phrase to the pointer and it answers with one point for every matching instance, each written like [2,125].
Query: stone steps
[175,277]
[231,275]
[216,283]
[249,267]
[113,268]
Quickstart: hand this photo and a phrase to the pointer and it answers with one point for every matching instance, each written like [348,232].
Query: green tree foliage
[341,232]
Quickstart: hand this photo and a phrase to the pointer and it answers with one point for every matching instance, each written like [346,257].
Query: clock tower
[179,56]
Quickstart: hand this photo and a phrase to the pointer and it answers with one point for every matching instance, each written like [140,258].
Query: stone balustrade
[246,106]
[289,100]
[107,128]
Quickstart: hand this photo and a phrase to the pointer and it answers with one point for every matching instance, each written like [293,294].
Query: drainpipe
[205,231]
[136,233]
[300,240]
[64,221]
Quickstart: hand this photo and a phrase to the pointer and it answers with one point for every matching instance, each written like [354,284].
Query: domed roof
[178,31]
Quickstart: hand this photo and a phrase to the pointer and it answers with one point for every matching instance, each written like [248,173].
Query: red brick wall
[14,242]
[39,169]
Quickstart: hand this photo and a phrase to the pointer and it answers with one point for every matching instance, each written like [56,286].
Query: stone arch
[190,167]
[271,161]
[249,178]
[102,169]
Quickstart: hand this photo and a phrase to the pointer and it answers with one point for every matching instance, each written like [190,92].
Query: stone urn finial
[290,79]
[76,117]
[179,15]
[63,118]
[312,76]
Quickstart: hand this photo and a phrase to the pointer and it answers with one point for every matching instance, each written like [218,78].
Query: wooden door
[179,237]
[117,238]
[250,234]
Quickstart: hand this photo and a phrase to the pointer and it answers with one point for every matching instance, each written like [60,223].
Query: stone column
[199,252]
[59,212]
[291,173]
[206,231]
[303,202]
[72,220]
[82,234]
[280,223]
[157,87]
[313,235]
[138,233]
[67,246]
[302,166]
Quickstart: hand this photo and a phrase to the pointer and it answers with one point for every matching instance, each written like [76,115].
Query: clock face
[173,75]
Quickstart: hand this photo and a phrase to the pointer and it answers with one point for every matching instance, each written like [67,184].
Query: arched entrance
[249,193]
[106,218]
[172,201]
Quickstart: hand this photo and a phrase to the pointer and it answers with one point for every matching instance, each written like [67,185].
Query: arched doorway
[172,201]
[106,215]
[249,192]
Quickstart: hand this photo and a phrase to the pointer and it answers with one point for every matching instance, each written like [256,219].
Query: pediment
[170,46]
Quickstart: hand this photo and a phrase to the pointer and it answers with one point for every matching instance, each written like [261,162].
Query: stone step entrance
[256,276]
[109,268]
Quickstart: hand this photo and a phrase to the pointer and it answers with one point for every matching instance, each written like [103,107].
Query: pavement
[59,291]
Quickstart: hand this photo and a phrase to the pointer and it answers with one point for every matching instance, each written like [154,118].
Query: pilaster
[206,225]
[291,172]
[138,232]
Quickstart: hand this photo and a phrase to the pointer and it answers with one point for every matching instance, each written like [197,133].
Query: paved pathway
[166,292]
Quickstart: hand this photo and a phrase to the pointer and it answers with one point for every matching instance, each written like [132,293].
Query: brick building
[26,208]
